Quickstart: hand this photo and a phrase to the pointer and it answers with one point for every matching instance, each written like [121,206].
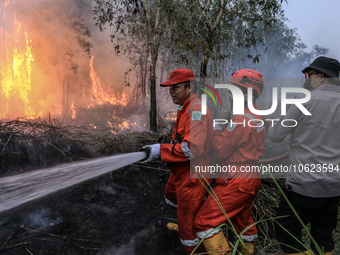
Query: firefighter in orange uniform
[191,142]
[239,146]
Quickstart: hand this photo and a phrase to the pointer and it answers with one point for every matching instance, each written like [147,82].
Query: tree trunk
[145,74]
[208,47]
[153,109]
[153,35]
[204,63]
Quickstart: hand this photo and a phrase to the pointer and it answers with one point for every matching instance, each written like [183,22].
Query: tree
[153,25]
[188,27]
[129,14]
[319,51]
[279,44]
[214,26]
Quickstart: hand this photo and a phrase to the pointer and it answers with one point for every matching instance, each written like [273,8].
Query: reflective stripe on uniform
[193,242]
[249,239]
[251,117]
[193,105]
[260,125]
[186,150]
[169,202]
[209,233]
[260,128]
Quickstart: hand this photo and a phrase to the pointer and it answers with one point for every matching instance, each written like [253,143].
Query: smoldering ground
[119,212]
[122,213]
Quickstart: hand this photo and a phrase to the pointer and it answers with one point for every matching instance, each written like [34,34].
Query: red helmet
[248,78]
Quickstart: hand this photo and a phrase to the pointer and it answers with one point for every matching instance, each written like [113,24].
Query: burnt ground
[119,213]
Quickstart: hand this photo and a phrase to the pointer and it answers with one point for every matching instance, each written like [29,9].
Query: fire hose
[23,188]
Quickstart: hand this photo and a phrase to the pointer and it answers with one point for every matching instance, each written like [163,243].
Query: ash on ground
[119,213]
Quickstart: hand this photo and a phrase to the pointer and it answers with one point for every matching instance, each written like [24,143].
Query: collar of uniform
[249,112]
[188,101]
[247,109]
[328,87]
[179,108]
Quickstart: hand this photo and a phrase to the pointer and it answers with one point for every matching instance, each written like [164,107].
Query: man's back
[316,138]
[313,183]
[315,146]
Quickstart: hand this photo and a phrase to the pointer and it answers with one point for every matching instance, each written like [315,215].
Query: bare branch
[148,25]
[206,11]
[199,36]
[208,5]
[199,3]
[220,13]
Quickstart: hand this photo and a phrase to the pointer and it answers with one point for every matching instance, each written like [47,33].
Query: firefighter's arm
[193,143]
[171,153]
[226,141]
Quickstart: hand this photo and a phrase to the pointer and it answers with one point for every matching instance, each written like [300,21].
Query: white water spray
[23,188]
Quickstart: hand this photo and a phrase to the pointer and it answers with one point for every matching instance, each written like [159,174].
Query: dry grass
[27,144]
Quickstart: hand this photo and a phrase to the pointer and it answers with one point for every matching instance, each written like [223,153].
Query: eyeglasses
[176,87]
[307,75]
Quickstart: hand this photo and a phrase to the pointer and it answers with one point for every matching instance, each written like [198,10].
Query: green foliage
[191,30]
[214,30]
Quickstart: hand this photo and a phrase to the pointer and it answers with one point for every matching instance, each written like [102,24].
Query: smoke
[37,219]
[130,247]
[41,219]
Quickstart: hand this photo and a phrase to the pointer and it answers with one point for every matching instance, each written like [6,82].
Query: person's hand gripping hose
[154,151]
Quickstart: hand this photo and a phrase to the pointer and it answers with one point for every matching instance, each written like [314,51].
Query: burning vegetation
[52,75]
[59,105]
[16,60]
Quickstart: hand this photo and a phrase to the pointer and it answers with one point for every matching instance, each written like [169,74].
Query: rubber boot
[325,253]
[328,253]
[301,253]
[217,243]
[250,248]
[172,226]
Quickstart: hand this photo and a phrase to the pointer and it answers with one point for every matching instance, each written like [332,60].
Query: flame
[99,96]
[15,73]
[125,125]
[92,125]
[73,111]
[120,125]
[6,3]
[19,96]
[171,116]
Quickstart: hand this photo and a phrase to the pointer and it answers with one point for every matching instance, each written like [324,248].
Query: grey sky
[317,22]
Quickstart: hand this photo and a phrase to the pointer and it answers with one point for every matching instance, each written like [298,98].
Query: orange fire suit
[239,146]
[192,142]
